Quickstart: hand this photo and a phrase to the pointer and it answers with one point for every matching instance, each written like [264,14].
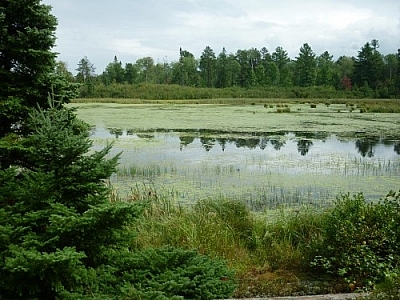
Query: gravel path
[314,297]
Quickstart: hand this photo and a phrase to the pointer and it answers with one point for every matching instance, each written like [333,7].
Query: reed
[275,243]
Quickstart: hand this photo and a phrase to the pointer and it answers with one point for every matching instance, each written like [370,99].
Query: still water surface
[300,167]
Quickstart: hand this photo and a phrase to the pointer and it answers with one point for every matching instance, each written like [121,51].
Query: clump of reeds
[271,242]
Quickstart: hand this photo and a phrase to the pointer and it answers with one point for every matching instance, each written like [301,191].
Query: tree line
[370,73]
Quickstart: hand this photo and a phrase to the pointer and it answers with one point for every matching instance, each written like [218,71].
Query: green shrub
[175,272]
[283,110]
[361,240]
[389,288]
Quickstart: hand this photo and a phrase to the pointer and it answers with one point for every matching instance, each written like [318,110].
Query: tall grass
[274,242]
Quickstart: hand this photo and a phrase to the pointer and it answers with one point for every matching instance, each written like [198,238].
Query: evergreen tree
[57,224]
[114,72]
[397,78]
[222,70]
[26,62]
[207,67]
[325,69]
[369,66]
[86,77]
[233,70]
[281,59]
[306,66]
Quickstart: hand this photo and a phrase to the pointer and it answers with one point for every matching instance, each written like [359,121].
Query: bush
[361,240]
[175,272]
[389,288]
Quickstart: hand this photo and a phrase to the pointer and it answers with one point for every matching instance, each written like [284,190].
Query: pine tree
[306,66]
[57,225]
[26,61]
[369,66]
[27,68]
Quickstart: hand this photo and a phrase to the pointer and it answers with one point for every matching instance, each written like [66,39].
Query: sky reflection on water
[264,169]
[196,143]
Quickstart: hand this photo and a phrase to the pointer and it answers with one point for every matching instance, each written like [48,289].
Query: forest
[370,74]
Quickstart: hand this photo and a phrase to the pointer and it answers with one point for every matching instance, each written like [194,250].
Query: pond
[264,169]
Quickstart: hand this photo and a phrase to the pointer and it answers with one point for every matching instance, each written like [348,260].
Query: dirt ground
[314,297]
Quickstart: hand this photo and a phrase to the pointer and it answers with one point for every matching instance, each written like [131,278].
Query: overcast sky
[132,29]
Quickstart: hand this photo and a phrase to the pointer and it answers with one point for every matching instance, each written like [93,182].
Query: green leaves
[176,272]
[362,239]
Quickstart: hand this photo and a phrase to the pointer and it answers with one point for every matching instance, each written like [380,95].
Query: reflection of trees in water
[222,142]
[250,143]
[115,131]
[397,148]
[263,142]
[185,140]
[366,146]
[277,143]
[207,143]
[303,146]
[145,136]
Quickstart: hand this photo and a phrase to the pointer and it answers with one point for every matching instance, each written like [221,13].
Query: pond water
[284,142]
[262,169]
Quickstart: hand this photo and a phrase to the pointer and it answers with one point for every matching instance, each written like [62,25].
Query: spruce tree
[27,35]
[57,225]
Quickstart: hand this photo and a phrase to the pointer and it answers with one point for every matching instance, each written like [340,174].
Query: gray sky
[132,29]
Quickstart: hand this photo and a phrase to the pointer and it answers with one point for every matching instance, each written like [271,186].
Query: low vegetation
[350,246]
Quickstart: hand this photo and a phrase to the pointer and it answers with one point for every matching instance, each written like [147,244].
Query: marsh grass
[370,105]
[274,245]
[262,184]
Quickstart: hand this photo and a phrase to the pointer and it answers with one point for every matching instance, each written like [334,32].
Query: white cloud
[133,29]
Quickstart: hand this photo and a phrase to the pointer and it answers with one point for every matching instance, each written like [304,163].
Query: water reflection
[303,146]
[366,147]
[304,141]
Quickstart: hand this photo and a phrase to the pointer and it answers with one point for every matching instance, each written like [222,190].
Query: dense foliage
[352,245]
[247,72]
[56,220]
[361,239]
[28,71]
[26,35]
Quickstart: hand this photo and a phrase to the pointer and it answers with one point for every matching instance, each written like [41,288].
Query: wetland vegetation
[257,187]
[251,152]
